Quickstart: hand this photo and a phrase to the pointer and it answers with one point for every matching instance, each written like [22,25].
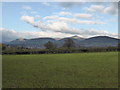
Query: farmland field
[78,70]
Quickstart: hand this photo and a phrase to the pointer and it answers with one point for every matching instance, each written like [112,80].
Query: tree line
[50,47]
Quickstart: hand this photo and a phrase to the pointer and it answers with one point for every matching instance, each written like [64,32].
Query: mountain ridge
[97,41]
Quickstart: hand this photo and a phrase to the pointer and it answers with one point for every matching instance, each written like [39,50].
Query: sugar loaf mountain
[98,41]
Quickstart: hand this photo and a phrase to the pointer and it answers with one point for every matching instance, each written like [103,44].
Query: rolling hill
[98,41]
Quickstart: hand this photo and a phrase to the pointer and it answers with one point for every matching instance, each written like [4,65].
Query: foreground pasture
[80,70]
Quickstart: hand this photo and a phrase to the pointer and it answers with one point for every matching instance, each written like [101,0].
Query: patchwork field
[79,70]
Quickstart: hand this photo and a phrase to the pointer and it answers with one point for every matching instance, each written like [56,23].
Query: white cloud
[28,19]
[78,15]
[64,13]
[72,20]
[27,7]
[112,9]
[95,8]
[9,35]
[90,22]
[64,27]
[58,26]
[51,17]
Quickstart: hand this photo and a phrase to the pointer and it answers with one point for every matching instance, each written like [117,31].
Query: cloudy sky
[58,19]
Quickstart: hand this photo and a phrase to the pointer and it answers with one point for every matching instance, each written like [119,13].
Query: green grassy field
[80,70]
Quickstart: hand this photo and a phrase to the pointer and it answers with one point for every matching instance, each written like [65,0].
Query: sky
[58,19]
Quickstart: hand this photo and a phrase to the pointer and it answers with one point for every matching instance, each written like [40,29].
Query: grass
[81,70]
